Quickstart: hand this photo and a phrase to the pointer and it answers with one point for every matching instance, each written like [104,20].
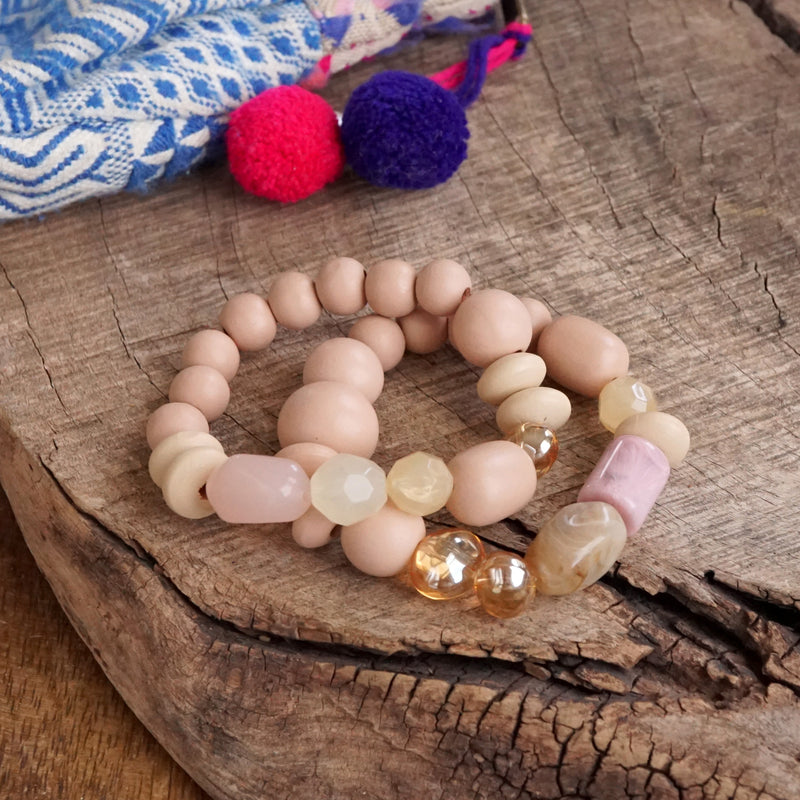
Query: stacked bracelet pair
[328,430]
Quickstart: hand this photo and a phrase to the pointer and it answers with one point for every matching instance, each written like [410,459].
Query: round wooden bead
[340,286]
[666,432]
[293,300]
[212,349]
[541,405]
[204,388]
[503,585]
[247,319]
[510,374]
[389,286]
[309,455]
[382,335]
[423,332]
[172,418]
[540,319]
[488,324]
[581,354]
[313,529]
[491,481]
[329,413]
[382,544]
[347,361]
[170,447]
[441,285]
[186,476]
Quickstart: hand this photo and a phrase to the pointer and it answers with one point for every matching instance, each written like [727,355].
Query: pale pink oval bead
[309,455]
[293,300]
[340,286]
[441,285]
[204,388]
[247,319]
[383,336]
[250,489]
[212,348]
[312,530]
[540,319]
[389,286]
[629,476]
[347,361]
[174,418]
[423,332]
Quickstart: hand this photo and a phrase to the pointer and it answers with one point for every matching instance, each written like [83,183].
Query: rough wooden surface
[638,167]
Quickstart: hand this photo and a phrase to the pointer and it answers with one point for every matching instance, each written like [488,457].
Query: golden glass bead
[444,564]
[419,484]
[539,442]
[504,585]
[621,398]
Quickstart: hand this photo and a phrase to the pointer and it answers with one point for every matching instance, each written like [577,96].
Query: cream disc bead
[172,418]
[510,374]
[383,336]
[212,349]
[581,354]
[346,361]
[185,478]
[166,451]
[204,388]
[340,286]
[381,545]
[491,481]
[488,324]
[540,319]
[541,405]
[330,413]
[389,286]
[666,432]
[312,530]
[247,319]
[441,285]
[348,488]
[423,332]
[309,455]
[294,301]
[419,483]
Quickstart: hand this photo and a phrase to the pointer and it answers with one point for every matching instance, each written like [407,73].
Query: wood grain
[637,167]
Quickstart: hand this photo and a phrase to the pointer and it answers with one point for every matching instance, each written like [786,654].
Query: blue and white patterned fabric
[96,97]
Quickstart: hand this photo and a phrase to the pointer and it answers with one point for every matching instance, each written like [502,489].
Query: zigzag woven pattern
[101,96]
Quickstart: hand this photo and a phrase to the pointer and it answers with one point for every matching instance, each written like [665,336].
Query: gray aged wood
[639,167]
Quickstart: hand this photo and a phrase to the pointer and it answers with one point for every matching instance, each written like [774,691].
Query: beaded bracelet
[323,476]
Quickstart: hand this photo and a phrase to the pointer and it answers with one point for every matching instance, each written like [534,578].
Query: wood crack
[778,23]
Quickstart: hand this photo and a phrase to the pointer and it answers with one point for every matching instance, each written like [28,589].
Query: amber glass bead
[419,484]
[621,398]
[539,442]
[504,585]
[444,564]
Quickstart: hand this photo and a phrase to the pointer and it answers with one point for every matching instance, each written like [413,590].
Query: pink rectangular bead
[629,476]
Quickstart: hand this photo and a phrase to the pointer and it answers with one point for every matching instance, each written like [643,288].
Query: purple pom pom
[404,131]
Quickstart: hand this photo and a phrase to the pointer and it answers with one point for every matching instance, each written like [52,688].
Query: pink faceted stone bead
[259,489]
[629,476]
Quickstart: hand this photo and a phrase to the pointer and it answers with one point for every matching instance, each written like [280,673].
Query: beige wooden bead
[247,319]
[186,476]
[313,529]
[540,405]
[212,349]
[204,388]
[294,301]
[309,455]
[540,319]
[390,287]
[383,335]
[340,286]
[166,451]
[171,418]
[423,332]
[509,374]
[348,361]
[666,432]
[441,285]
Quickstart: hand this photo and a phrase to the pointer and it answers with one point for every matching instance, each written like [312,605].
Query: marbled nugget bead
[540,444]
[444,564]
[629,476]
[575,547]
[504,584]
[419,483]
[621,398]
[348,488]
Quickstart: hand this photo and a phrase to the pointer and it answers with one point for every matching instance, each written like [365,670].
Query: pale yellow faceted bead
[541,405]
[666,432]
[167,449]
[444,564]
[509,374]
[419,483]
[575,547]
[621,398]
[185,478]
[348,488]
[504,584]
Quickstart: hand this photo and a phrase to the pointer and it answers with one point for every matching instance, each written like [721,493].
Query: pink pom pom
[284,144]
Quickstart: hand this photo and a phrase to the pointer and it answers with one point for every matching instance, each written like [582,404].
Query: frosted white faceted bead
[348,488]
[186,476]
[166,451]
